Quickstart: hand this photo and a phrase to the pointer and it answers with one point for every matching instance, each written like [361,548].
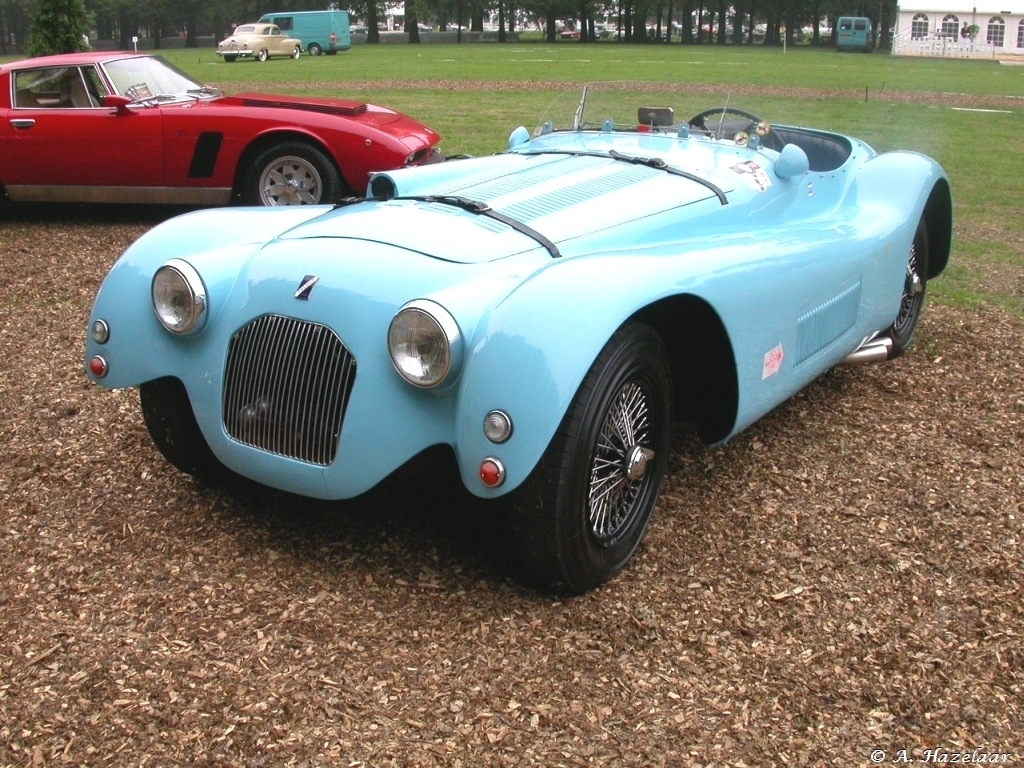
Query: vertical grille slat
[330,399]
[287,385]
[315,399]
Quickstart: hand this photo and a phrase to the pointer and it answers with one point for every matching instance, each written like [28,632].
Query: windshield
[644,107]
[144,78]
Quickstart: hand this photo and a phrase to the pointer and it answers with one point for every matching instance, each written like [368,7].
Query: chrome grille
[286,388]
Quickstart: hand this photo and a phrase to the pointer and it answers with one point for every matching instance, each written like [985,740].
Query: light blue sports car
[545,314]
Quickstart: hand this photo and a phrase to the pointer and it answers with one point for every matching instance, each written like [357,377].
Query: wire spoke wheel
[619,465]
[912,300]
[913,293]
[581,514]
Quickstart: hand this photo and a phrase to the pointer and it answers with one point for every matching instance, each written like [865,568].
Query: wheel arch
[938,217]
[706,385]
[265,141]
[517,345]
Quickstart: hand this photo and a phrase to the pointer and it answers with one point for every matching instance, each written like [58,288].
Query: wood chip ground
[843,577]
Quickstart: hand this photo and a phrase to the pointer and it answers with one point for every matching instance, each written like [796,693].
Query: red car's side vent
[204,156]
[328,109]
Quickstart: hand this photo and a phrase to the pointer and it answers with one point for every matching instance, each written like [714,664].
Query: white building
[936,28]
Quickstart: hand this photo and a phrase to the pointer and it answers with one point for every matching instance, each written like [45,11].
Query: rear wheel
[912,302]
[292,173]
[581,514]
[171,422]
[262,55]
[315,49]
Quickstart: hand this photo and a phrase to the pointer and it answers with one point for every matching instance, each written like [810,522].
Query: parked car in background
[130,128]
[319,31]
[258,41]
[541,316]
[855,33]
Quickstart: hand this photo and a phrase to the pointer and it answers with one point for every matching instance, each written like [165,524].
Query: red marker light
[492,473]
[98,367]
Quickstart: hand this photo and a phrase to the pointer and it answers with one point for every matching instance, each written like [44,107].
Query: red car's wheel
[292,173]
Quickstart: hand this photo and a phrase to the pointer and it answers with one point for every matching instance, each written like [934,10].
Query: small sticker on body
[754,175]
[772,362]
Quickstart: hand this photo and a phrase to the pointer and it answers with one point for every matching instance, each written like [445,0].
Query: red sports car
[131,128]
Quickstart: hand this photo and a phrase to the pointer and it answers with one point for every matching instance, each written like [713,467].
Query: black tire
[172,425]
[230,59]
[315,49]
[579,517]
[292,173]
[296,52]
[912,302]
[262,54]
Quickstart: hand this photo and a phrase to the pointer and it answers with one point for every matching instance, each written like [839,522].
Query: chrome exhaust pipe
[872,351]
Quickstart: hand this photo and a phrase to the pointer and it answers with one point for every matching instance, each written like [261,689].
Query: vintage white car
[259,41]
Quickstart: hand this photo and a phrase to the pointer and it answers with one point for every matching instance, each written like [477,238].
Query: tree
[411,22]
[59,26]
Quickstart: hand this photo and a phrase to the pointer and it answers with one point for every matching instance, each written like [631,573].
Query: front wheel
[262,55]
[581,514]
[171,422]
[296,52]
[292,173]
[315,49]
[229,58]
[912,301]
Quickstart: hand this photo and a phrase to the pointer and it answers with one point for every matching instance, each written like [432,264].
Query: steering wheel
[728,121]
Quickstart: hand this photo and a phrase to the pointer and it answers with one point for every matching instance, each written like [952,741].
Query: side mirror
[655,117]
[119,104]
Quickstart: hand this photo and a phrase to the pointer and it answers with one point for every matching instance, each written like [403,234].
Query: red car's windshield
[150,77]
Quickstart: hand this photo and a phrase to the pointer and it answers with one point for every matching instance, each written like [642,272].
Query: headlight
[425,343]
[179,297]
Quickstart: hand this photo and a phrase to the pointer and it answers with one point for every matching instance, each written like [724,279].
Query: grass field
[531,63]
[969,115]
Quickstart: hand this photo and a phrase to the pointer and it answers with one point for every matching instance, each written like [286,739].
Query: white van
[320,31]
